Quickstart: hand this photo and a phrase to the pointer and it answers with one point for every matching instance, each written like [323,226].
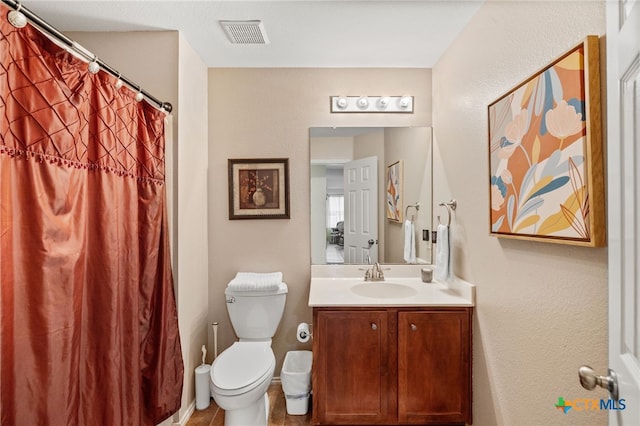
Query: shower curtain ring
[94,67]
[119,82]
[17,18]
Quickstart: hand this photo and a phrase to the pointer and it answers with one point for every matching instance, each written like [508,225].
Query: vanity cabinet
[392,366]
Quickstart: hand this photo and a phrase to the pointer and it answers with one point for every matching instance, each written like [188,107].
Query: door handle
[589,380]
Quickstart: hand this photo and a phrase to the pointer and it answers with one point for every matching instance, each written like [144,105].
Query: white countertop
[333,286]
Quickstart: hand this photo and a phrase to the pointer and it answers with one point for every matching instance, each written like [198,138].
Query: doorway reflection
[335,223]
[335,254]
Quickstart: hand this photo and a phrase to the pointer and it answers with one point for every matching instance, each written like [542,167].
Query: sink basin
[383,290]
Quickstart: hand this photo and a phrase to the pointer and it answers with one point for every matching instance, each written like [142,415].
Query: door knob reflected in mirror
[589,380]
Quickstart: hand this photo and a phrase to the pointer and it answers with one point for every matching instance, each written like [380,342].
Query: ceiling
[301,33]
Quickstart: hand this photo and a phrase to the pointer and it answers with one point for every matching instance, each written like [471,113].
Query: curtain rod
[71,45]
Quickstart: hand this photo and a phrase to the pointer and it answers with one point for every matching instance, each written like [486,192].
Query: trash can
[296,381]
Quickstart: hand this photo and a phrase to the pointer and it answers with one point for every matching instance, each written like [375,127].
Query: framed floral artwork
[545,154]
[259,188]
[394,192]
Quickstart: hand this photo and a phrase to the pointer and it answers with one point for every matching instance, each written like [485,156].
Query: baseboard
[187,415]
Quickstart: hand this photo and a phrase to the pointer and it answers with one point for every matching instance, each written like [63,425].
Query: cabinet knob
[414,327]
[374,326]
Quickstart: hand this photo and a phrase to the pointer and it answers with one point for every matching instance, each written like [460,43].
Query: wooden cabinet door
[351,369]
[434,367]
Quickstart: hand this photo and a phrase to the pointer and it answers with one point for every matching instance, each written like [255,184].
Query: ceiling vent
[245,32]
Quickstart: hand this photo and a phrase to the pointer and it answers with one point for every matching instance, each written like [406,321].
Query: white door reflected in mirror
[330,149]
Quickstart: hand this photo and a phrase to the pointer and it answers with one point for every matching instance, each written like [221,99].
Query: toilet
[241,374]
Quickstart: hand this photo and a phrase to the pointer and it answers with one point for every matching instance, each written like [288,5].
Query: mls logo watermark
[588,404]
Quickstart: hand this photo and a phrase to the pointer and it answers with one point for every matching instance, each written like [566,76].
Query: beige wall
[168,68]
[192,239]
[541,308]
[267,113]
[413,147]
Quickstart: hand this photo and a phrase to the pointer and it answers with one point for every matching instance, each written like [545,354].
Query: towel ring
[450,206]
[416,206]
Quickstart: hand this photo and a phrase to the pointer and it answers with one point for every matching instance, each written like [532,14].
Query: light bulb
[383,102]
[342,103]
[363,102]
[119,84]
[139,96]
[405,102]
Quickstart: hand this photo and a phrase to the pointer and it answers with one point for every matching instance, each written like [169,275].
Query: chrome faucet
[374,274]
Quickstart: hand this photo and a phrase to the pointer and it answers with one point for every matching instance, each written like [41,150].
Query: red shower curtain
[89,332]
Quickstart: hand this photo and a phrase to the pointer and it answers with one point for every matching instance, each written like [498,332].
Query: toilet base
[256,414]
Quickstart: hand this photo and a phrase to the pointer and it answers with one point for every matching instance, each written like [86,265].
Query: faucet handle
[368,275]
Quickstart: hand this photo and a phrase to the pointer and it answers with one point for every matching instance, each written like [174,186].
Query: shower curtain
[89,332]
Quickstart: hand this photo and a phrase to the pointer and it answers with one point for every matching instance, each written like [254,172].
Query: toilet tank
[255,315]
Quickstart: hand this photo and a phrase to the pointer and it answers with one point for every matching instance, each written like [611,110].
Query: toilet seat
[242,367]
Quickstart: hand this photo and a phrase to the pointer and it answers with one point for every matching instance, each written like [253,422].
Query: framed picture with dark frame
[259,188]
[545,154]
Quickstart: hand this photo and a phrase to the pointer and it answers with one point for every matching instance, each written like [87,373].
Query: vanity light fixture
[370,104]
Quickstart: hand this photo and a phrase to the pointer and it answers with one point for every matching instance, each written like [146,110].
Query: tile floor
[335,254]
[214,415]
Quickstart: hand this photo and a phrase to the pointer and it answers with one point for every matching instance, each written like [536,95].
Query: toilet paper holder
[304,332]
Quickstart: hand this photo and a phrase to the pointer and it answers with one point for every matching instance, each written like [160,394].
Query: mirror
[351,225]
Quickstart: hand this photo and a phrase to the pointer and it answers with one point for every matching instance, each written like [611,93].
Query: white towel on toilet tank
[409,242]
[443,271]
[262,281]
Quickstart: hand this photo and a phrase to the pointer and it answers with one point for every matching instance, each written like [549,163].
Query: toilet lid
[241,365]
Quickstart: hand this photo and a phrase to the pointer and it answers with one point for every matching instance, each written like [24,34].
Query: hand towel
[443,255]
[409,242]
[261,281]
